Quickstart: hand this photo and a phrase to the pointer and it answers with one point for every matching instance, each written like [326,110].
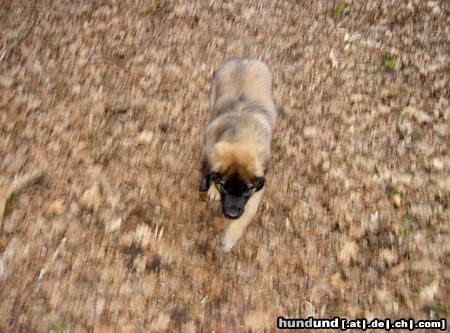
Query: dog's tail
[237,227]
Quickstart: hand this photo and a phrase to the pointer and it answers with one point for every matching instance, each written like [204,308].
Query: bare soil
[112,96]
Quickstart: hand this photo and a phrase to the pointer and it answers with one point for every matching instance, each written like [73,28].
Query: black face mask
[235,194]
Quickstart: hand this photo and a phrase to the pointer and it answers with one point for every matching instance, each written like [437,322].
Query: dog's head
[238,171]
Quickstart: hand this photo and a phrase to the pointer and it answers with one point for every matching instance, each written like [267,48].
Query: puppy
[237,141]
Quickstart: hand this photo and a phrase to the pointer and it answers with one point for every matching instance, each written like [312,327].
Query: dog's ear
[259,184]
[204,186]
[205,170]
[208,179]
[214,175]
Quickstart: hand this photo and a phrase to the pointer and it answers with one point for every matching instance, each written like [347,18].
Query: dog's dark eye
[222,188]
[246,191]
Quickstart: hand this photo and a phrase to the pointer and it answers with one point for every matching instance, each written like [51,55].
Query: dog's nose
[233,213]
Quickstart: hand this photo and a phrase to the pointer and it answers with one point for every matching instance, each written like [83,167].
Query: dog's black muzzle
[233,206]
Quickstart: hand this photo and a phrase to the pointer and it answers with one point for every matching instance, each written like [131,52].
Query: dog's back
[242,105]
[243,84]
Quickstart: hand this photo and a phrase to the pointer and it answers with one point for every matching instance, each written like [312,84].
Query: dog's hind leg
[236,229]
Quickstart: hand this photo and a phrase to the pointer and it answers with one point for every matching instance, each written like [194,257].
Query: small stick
[7,50]
[13,45]
[17,185]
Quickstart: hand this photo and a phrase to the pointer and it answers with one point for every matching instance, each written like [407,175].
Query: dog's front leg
[213,193]
[207,183]
[236,229]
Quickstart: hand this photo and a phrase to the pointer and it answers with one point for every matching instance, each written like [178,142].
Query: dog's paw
[231,236]
[213,193]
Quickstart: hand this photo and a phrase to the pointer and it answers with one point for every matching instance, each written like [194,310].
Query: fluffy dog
[238,140]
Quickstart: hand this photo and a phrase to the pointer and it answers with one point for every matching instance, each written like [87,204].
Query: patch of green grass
[105,75]
[338,11]
[59,326]
[417,135]
[279,227]
[405,115]
[389,62]
[408,226]
[50,216]
[379,73]
[241,255]
[70,247]
[132,50]
[102,33]
[61,83]
[105,157]
[392,191]
[423,163]
[439,311]
[61,87]
[112,155]
[280,148]
[336,268]
[154,8]
[160,145]
[186,311]
[115,57]
[447,7]
[298,311]
[165,215]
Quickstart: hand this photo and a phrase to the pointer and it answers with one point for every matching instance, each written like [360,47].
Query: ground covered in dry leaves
[112,97]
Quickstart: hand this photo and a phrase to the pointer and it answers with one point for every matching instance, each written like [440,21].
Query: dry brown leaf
[349,253]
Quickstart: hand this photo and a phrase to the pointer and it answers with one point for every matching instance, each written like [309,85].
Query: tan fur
[238,138]
[246,159]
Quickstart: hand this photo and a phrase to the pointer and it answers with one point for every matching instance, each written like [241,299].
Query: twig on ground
[18,185]
[7,50]
[15,42]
